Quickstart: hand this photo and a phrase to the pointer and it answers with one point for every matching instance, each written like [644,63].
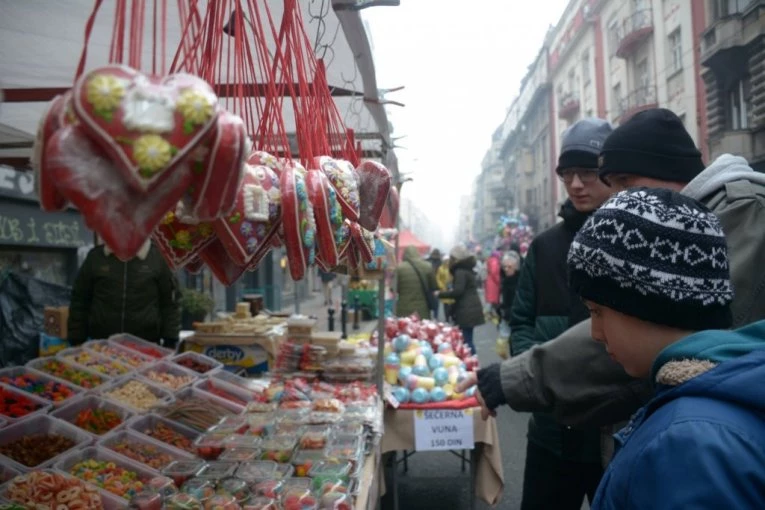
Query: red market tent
[406,238]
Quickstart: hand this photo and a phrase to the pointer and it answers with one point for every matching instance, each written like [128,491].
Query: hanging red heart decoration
[298,220]
[374,186]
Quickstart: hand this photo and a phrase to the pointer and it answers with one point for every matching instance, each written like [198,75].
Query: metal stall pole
[380,334]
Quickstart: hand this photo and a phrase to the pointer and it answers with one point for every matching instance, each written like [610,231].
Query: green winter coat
[468,311]
[109,296]
[411,297]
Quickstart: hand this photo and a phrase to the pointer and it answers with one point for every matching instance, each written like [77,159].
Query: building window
[675,52]
[616,95]
[723,8]
[543,146]
[529,196]
[642,75]
[739,104]
[586,67]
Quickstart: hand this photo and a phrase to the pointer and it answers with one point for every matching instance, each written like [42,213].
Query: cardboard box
[56,318]
[254,354]
[50,345]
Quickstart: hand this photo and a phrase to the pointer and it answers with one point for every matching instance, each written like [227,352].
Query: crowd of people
[620,318]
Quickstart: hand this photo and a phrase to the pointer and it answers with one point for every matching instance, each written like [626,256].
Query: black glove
[490,386]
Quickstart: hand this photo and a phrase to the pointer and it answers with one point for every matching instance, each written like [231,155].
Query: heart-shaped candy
[364,240]
[51,121]
[374,186]
[195,265]
[88,178]
[217,259]
[181,237]
[298,220]
[146,124]
[329,217]
[247,232]
[343,178]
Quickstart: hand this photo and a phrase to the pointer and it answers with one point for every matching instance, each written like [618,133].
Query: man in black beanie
[572,376]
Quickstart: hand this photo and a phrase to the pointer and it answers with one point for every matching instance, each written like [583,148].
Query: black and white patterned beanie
[656,255]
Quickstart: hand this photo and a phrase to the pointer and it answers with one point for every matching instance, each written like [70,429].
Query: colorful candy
[142,452]
[162,432]
[97,421]
[33,450]
[143,349]
[172,381]
[54,491]
[99,364]
[51,390]
[15,405]
[109,476]
[123,355]
[69,373]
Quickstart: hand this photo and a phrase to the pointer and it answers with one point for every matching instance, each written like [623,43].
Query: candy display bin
[40,406]
[166,367]
[6,473]
[198,359]
[13,372]
[41,424]
[70,460]
[69,412]
[197,393]
[164,396]
[39,365]
[163,454]
[218,388]
[116,351]
[160,429]
[103,365]
[253,385]
[109,500]
[140,345]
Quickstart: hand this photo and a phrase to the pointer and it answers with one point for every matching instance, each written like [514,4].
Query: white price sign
[443,429]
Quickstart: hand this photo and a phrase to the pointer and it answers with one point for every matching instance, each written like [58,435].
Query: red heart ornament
[217,168]
[88,178]
[146,124]
[342,176]
[52,120]
[247,232]
[364,241]
[374,186]
[180,238]
[195,265]
[298,220]
[328,215]
[217,259]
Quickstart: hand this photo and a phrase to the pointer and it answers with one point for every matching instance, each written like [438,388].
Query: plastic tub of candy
[257,470]
[239,454]
[183,501]
[139,448]
[165,431]
[328,405]
[94,362]
[198,410]
[299,499]
[139,345]
[242,441]
[218,470]
[345,447]
[235,424]
[331,470]
[16,405]
[133,359]
[78,376]
[169,375]
[314,437]
[38,442]
[236,488]
[225,391]
[94,415]
[262,503]
[336,501]
[56,391]
[255,386]
[138,395]
[289,428]
[182,470]
[261,424]
[209,446]
[304,460]
[107,470]
[270,488]
[35,485]
[278,448]
[351,429]
[199,363]
[260,407]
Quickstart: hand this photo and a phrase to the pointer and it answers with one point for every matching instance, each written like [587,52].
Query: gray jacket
[573,378]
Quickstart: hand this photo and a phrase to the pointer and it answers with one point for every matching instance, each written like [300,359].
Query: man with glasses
[562,464]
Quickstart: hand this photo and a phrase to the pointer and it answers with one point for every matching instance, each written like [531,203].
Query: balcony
[722,44]
[568,105]
[624,37]
[642,98]
[747,143]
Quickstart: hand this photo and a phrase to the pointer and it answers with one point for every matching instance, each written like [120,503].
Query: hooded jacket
[411,296]
[467,310]
[551,378]
[543,308]
[698,442]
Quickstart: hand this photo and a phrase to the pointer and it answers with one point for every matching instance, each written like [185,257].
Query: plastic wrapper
[364,241]
[215,256]
[374,186]
[53,118]
[94,415]
[335,501]
[298,221]
[304,460]
[328,405]
[318,418]
[346,448]
[269,488]
[331,470]
[218,470]
[257,470]
[248,230]
[181,471]
[180,238]
[261,407]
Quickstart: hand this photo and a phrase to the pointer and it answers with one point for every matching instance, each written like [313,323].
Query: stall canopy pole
[380,334]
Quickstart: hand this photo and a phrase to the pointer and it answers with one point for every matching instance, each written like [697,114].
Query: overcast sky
[462,63]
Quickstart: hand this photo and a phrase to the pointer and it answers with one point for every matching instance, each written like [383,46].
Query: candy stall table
[486,475]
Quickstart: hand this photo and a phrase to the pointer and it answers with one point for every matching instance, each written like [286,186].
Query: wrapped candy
[374,186]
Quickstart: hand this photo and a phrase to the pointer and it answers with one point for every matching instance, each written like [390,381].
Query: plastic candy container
[200,489]
[126,356]
[330,470]
[67,372]
[299,499]
[136,395]
[239,454]
[41,386]
[336,501]
[261,424]
[183,501]
[218,471]
[14,404]
[210,446]
[38,488]
[108,476]
[305,459]
[143,452]
[34,449]
[163,432]
[172,380]
[314,437]
[284,471]
[97,421]
[269,488]
[95,362]
[196,362]
[261,503]
[219,502]
[261,407]
[164,485]
[278,448]
[232,425]
[331,486]
[182,470]
[236,488]
[146,500]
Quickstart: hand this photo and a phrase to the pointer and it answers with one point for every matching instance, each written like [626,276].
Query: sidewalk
[314,306]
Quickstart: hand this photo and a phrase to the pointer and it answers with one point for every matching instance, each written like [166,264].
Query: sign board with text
[25,224]
[443,429]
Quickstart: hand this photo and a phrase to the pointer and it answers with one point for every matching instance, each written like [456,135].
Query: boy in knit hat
[652,267]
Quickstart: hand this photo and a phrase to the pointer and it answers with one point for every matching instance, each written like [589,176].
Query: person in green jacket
[415,284]
[139,297]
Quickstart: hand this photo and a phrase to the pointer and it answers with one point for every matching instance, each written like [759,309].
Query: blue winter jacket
[700,442]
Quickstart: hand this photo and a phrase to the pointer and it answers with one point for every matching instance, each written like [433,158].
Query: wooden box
[56,318]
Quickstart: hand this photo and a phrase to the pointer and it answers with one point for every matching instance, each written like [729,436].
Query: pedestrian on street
[492,285]
[468,312]
[563,464]
[415,285]
[444,281]
[659,313]
[327,285]
[511,263]
[435,261]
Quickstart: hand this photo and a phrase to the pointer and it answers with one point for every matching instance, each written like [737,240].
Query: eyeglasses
[585,176]
[619,180]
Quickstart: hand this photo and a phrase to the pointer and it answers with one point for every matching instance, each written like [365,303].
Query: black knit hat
[653,143]
[656,255]
[582,142]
